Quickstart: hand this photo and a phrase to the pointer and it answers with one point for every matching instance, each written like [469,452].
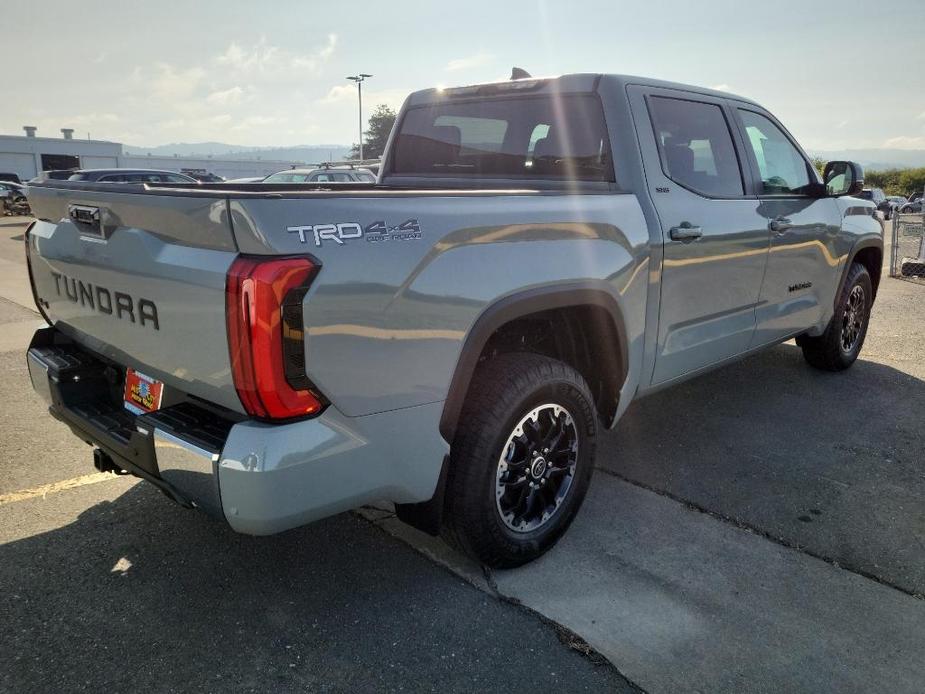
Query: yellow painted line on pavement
[55,487]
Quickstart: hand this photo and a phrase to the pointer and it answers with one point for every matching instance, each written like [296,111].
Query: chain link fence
[907,256]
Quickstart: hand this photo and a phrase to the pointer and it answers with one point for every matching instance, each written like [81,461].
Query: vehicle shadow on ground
[828,462]
[138,594]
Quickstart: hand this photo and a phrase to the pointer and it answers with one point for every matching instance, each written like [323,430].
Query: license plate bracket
[142,394]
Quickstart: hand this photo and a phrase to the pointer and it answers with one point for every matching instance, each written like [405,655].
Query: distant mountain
[220,150]
[877,159]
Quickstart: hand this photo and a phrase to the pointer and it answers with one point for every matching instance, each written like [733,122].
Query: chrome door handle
[685,232]
[780,225]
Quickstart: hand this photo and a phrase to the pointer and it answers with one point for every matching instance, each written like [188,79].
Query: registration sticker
[142,393]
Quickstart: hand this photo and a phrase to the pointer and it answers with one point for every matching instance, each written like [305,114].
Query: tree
[819,163]
[896,181]
[374,139]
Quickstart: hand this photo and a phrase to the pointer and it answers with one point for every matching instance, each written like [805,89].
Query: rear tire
[521,460]
[839,346]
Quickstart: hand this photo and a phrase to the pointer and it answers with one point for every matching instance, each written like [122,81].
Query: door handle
[685,232]
[780,224]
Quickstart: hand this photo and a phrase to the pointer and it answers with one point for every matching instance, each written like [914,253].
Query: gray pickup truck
[535,255]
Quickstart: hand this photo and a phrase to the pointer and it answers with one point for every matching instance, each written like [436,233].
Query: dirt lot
[760,528]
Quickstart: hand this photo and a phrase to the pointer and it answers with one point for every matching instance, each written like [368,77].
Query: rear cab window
[541,137]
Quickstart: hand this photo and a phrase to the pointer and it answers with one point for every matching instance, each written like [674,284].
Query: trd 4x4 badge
[376,232]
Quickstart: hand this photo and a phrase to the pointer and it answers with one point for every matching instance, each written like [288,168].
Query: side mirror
[843,178]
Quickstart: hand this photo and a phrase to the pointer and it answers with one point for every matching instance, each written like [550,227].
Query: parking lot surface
[760,528]
[106,585]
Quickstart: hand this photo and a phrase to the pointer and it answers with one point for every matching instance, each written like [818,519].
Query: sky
[272,73]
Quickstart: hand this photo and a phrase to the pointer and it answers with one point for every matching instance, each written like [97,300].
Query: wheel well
[872,259]
[584,336]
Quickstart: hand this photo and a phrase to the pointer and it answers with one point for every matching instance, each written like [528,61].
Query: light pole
[359,80]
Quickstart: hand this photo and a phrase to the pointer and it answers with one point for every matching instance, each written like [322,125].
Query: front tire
[839,346]
[521,460]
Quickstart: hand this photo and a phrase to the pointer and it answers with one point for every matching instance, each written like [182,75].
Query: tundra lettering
[463,377]
[78,291]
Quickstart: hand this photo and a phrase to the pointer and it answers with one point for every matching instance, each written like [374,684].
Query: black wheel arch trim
[861,244]
[523,303]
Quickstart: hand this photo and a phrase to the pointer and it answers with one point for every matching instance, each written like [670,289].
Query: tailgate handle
[89,220]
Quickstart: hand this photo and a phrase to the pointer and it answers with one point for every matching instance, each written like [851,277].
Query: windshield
[549,137]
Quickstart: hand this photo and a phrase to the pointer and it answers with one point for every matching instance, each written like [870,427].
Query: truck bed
[403,273]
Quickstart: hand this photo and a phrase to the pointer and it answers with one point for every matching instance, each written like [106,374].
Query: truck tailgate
[140,279]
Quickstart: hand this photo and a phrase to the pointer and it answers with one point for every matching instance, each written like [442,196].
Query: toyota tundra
[534,255]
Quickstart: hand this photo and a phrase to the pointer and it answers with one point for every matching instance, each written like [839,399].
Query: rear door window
[560,137]
[695,146]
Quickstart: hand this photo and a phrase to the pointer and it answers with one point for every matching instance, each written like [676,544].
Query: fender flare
[522,303]
[860,244]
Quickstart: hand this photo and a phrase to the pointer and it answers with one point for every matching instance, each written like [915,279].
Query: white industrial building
[28,155]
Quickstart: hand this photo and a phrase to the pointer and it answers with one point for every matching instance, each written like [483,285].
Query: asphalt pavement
[760,528]
[105,585]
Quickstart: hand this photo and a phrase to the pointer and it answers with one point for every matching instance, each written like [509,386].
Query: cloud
[91,119]
[347,94]
[171,84]
[921,116]
[477,60]
[225,97]
[267,60]
[258,57]
[905,142]
[256,90]
[257,122]
[341,92]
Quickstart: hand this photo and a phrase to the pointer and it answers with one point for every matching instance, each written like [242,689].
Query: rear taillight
[266,336]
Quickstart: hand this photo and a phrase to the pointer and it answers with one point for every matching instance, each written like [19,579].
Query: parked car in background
[10,177]
[246,179]
[895,202]
[878,197]
[202,175]
[54,175]
[913,207]
[13,186]
[13,199]
[130,176]
[323,174]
